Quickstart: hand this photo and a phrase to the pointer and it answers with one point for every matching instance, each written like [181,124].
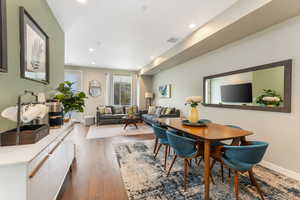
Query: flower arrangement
[269,98]
[194,101]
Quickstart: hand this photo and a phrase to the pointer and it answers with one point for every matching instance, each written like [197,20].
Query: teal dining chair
[160,134]
[242,159]
[185,148]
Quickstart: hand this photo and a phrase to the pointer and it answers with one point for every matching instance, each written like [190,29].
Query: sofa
[152,118]
[115,114]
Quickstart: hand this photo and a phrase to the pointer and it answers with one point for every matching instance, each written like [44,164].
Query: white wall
[281,130]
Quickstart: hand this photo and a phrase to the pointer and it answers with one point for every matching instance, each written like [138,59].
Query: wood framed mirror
[265,87]
[3,37]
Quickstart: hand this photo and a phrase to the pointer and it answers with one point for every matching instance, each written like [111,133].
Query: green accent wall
[11,85]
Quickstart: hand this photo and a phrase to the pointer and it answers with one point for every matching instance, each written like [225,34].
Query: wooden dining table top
[210,132]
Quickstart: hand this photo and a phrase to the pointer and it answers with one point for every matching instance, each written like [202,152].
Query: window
[121,90]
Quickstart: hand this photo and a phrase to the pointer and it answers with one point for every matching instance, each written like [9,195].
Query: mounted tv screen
[240,93]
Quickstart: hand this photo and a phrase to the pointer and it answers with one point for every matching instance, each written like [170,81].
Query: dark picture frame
[34,49]
[3,37]
[287,87]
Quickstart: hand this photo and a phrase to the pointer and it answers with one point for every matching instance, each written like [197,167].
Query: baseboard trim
[286,172]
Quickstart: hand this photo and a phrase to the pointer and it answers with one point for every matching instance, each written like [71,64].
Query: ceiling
[128,34]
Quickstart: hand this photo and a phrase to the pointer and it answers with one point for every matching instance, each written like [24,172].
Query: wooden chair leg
[253,181]
[157,151]
[186,169]
[155,145]
[236,185]
[166,155]
[174,159]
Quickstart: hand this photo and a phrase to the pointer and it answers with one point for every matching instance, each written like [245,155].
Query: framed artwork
[165,91]
[34,49]
[3,37]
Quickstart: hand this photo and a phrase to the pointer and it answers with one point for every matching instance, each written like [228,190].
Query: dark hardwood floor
[95,173]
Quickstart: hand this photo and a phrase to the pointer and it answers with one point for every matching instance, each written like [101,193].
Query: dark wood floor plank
[96,174]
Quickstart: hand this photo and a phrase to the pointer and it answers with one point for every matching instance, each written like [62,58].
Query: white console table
[37,171]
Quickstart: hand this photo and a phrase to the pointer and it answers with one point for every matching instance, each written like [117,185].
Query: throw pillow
[118,110]
[158,111]
[108,110]
[168,111]
[151,110]
[163,110]
[101,110]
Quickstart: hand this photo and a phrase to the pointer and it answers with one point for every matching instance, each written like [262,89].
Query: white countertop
[25,153]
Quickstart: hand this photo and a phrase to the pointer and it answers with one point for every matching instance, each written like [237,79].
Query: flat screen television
[239,93]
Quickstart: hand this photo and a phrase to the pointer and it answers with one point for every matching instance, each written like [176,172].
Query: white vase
[194,115]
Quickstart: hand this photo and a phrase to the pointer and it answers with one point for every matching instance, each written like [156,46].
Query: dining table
[209,133]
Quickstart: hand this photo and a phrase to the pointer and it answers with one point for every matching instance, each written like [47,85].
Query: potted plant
[269,98]
[193,101]
[72,100]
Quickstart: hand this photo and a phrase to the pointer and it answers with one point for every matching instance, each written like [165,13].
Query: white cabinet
[42,177]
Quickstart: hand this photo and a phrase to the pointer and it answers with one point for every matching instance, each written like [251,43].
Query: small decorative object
[193,101]
[148,96]
[165,91]
[94,88]
[34,49]
[269,98]
[199,123]
[3,37]
[71,100]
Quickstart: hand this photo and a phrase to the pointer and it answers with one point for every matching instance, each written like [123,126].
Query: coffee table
[130,121]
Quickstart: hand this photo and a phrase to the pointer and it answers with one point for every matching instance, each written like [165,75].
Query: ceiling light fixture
[82,1]
[93,63]
[191,26]
[91,49]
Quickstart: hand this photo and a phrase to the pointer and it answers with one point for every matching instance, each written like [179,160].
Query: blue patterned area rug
[145,179]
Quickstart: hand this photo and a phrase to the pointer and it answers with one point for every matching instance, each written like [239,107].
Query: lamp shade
[148,95]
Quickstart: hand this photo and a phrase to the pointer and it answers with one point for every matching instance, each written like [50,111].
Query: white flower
[194,99]
[271,99]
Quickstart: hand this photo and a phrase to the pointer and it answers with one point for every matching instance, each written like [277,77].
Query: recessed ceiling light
[191,26]
[82,1]
[93,63]
[91,49]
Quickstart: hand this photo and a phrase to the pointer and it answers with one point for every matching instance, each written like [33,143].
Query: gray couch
[152,118]
[114,118]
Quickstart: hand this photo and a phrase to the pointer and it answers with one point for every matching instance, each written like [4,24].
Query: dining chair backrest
[159,132]
[250,154]
[183,146]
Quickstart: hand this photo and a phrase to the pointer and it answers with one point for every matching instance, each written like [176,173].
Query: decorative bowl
[200,123]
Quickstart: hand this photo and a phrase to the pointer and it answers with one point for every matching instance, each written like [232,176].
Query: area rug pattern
[106,131]
[145,179]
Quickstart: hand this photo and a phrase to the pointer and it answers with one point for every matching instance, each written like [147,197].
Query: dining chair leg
[236,185]
[222,172]
[157,151]
[155,145]
[186,167]
[253,181]
[166,155]
[174,159]
[229,173]
[169,151]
